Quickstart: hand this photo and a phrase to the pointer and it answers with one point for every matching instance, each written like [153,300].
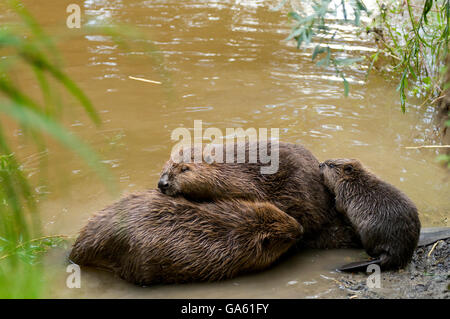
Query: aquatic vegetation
[25,47]
[312,27]
[21,245]
[412,39]
[415,41]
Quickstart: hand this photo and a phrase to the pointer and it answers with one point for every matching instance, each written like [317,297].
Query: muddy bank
[427,276]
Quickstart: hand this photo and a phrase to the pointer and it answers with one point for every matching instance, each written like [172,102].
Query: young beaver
[385,218]
[150,238]
[295,188]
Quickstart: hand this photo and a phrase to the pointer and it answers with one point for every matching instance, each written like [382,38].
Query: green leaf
[411,70]
[346,85]
[295,33]
[299,40]
[308,36]
[8,39]
[294,15]
[40,61]
[401,88]
[324,62]
[32,25]
[361,6]
[426,8]
[317,50]
[443,158]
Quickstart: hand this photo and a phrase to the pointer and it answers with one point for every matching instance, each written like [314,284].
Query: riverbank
[427,276]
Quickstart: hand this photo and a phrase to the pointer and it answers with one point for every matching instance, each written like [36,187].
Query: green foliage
[15,202]
[25,45]
[415,41]
[29,251]
[444,158]
[313,27]
[21,268]
[416,45]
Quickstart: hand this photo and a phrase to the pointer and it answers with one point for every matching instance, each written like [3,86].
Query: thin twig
[144,80]
[437,99]
[426,146]
[432,248]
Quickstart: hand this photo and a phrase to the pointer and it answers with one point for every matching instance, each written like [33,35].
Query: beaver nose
[163,183]
[321,165]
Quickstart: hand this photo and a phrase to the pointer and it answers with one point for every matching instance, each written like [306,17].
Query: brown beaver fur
[385,218]
[296,188]
[149,238]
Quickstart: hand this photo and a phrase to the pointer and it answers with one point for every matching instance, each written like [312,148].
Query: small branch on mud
[432,248]
[426,146]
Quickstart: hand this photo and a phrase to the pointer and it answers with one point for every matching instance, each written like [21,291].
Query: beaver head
[337,171]
[207,179]
[193,180]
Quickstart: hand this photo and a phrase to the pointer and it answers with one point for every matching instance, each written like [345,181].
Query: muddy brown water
[229,66]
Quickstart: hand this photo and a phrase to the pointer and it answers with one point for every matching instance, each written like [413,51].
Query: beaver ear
[348,169]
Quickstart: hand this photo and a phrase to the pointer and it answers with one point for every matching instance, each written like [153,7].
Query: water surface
[229,66]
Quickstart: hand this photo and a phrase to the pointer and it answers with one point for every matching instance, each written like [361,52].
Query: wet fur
[150,238]
[385,218]
[297,189]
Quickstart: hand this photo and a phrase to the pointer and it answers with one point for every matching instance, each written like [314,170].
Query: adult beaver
[149,238]
[296,188]
[385,218]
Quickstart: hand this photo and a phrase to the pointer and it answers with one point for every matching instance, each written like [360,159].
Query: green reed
[25,45]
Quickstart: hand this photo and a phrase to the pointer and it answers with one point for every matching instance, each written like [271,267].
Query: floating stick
[144,80]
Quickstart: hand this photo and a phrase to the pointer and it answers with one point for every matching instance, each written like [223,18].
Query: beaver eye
[331,165]
[184,168]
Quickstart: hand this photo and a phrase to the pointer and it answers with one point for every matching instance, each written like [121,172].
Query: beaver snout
[163,183]
[321,165]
